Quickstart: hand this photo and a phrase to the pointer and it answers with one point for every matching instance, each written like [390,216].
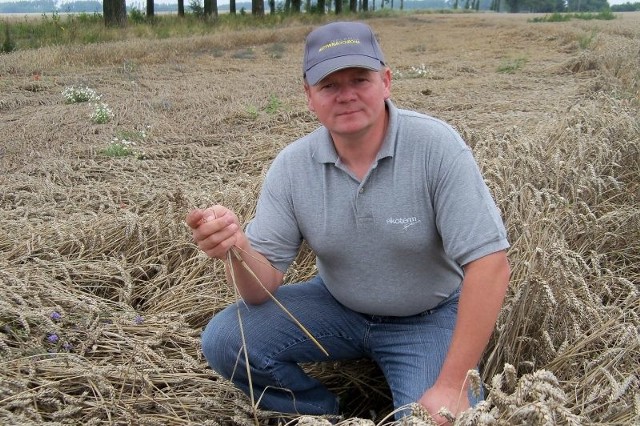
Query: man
[410,247]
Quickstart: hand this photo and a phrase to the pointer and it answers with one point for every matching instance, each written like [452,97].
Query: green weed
[102,114]
[510,66]
[585,41]
[275,51]
[8,45]
[554,17]
[119,148]
[247,53]
[420,71]
[74,95]
[273,105]
[252,111]
[136,15]
[604,15]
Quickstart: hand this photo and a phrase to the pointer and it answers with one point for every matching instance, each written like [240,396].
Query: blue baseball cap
[337,46]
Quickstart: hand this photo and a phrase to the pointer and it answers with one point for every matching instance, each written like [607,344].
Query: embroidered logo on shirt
[406,222]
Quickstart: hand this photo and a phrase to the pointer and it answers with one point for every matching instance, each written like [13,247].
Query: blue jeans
[409,350]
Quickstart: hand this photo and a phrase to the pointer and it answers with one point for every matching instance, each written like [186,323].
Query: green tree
[540,6]
[8,45]
[587,5]
[627,7]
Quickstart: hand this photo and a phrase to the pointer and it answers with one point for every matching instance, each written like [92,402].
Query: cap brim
[323,69]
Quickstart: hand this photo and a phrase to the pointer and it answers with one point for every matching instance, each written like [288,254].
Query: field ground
[550,109]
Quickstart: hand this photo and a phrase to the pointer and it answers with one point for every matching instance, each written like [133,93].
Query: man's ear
[386,78]
[307,92]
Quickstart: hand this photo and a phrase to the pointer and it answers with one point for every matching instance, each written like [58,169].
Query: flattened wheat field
[103,294]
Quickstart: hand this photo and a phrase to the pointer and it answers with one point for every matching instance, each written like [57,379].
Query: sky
[611,2]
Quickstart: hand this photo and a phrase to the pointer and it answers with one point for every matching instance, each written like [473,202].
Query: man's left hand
[454,400]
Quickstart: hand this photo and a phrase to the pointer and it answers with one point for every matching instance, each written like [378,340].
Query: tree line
[553,6]
[115,11]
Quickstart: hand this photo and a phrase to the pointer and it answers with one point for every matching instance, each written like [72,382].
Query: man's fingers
[218,250]
[210,234]
[208,215]
[194,218]
[215,236]
[197,217]
[214,230]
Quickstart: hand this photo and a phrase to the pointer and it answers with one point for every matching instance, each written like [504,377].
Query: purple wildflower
[67,346]
[139,319]
[53,338]
[55,316]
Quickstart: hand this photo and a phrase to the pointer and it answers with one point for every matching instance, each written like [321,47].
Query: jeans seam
[268,366]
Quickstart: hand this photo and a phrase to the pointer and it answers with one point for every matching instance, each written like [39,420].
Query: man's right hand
[215,230]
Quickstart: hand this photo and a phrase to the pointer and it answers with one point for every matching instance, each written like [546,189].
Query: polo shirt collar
[325,151]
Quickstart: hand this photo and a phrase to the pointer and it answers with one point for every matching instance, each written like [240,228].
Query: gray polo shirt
[395,242]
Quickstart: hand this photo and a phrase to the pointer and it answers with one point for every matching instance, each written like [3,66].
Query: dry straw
[103,294]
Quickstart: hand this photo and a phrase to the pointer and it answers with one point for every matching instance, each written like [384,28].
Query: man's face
[350,102]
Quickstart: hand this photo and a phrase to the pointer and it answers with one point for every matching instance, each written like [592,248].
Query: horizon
[222,2]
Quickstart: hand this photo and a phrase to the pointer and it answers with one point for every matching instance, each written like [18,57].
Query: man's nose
[346,93]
